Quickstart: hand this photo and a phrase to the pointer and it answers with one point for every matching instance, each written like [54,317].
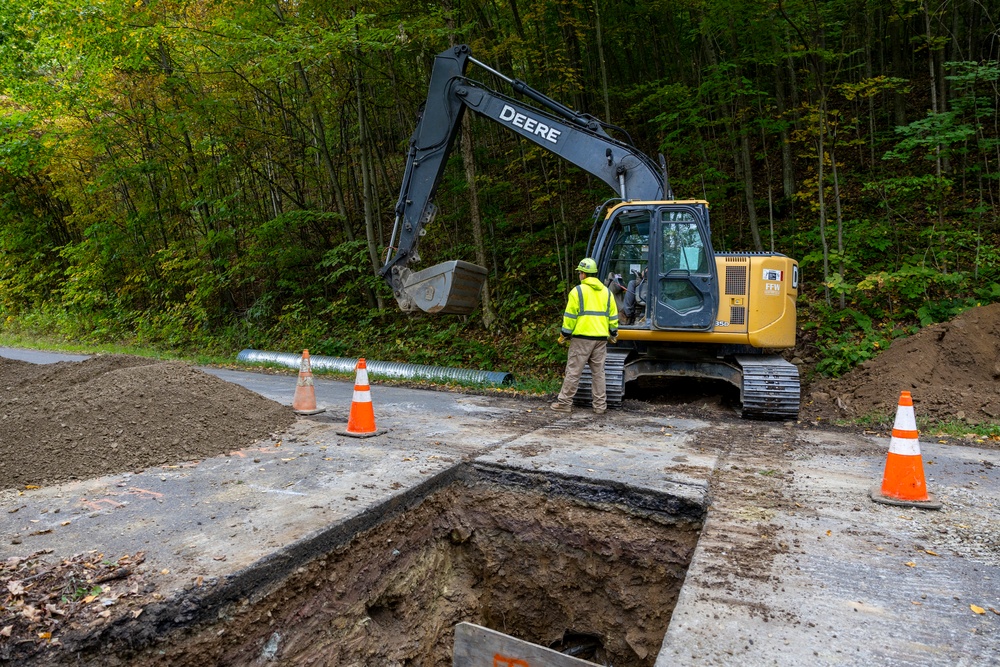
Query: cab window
[682,250]
[630,252]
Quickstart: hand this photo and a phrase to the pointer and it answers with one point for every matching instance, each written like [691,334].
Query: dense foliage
[188,174]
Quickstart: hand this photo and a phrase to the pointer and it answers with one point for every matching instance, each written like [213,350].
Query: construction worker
[590,322]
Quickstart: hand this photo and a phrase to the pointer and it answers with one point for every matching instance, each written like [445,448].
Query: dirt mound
[952,370]
[116,413]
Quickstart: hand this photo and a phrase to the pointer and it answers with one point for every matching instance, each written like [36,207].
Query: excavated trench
[590,570]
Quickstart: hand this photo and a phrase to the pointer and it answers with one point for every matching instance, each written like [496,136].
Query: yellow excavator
[687,311]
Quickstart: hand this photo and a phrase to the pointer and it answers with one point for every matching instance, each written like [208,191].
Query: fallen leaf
[31,486]
[65,523]
[910,564]
[977,609]
[135,614]
[31,613]
[15,587]
[89,599]
[105,614]
[995,611]
[6,631]
[45,635]
[829,533]
[931,553]
[219,557]
[164,571]
[916,603]
[198,581]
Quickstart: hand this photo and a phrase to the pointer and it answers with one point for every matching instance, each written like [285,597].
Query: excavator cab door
[669,245]
[682,273]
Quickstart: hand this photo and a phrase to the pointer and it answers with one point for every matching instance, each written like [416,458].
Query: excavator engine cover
[449,288]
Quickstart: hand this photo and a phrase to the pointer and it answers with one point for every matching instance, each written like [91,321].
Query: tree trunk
[840,218]
[822,201]
[787,168]
[748,190]
[366,186]
[600,57]
[468,159]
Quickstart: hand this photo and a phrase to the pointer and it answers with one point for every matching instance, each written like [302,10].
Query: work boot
[561,407]
[600,411]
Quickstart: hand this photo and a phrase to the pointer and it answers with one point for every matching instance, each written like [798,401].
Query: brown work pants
[583,351]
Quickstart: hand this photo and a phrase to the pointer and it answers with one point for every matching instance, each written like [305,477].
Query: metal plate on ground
[476,646]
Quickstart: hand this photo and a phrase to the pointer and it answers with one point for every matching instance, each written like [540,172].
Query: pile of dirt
[117,413]
[951,369]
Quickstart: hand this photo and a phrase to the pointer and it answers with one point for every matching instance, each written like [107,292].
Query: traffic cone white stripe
[905,437]
[905,419]
[362,396]
[362,377]
[904,446]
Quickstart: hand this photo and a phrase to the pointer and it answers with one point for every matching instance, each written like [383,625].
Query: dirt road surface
[253,536]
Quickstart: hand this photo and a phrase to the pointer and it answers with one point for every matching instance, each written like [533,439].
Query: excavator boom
[453,287]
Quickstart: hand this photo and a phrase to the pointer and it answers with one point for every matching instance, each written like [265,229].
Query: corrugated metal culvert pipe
[386,369]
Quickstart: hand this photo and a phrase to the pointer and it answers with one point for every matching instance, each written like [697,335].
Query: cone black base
[930,504]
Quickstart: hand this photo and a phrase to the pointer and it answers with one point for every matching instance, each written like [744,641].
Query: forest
[196,176]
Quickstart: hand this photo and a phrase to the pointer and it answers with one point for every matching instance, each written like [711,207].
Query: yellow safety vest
[591,311]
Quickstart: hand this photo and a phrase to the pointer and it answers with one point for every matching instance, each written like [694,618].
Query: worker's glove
[562,339]
[613,338]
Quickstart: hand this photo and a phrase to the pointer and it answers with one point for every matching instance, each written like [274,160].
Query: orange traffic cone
[903,480]
[304,402]
[361,422]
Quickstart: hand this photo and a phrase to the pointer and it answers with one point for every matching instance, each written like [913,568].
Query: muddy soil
[596,581]
[118,413]
[951,369]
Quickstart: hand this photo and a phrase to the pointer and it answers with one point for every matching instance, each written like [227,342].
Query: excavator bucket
[450,288]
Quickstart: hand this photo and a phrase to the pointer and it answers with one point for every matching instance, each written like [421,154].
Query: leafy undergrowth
[43,601]
[529,352]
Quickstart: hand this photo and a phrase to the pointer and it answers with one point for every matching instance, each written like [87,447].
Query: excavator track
[614,377]
[770,387]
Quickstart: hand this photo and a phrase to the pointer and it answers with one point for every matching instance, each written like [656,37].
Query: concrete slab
[212,518]
[853,582]
[654,454]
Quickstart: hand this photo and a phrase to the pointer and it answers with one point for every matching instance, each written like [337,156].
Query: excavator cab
[669,244]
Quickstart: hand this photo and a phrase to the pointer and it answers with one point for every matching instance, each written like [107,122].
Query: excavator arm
[453,287]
